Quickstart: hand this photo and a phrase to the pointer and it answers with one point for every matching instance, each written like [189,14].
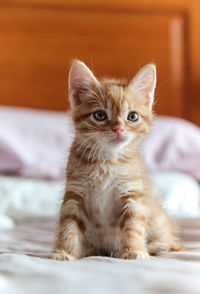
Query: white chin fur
[118,146]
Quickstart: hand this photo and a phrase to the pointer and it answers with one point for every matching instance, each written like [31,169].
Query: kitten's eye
[133,116]
[100,115]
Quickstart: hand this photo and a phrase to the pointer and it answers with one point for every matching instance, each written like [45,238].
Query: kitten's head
[111,114]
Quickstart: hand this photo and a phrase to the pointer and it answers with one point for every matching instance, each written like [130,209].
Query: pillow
[173,144]
[36,143]
[179,193]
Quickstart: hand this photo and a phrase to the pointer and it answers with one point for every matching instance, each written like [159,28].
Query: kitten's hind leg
[157,248]
[177,245]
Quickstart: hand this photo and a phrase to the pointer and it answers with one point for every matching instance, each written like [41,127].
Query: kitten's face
[110,115]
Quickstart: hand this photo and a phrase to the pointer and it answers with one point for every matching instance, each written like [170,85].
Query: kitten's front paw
[62,255]
[133,254]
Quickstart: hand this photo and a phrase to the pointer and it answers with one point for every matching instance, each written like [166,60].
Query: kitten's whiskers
[89,125]
[83,142]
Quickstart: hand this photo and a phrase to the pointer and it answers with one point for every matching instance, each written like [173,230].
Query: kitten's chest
[102,203]
[104,188]
[103,191]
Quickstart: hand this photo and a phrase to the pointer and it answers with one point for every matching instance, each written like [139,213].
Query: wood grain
[40,38]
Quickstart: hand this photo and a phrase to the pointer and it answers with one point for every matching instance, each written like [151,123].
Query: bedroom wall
[40,38]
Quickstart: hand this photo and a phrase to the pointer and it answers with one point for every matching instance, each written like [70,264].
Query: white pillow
[180,193]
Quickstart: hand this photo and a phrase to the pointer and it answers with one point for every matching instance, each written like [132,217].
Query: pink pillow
[173,144]
[34,143]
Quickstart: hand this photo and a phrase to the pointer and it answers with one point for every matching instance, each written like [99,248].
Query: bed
[33,158]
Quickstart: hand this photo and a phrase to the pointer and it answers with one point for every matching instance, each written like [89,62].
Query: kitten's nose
[117,129]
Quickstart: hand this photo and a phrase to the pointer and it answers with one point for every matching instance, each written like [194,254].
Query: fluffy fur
[109,207]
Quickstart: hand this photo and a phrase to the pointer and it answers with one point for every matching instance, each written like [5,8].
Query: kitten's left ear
[144,83]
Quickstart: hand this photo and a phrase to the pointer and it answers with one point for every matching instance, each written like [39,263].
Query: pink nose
[117,129]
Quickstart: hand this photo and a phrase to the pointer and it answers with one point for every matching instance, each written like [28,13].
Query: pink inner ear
[79,89]
[144,83]
[146,86]
[81,80]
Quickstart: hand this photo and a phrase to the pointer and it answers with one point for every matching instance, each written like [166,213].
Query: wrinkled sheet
[25,267]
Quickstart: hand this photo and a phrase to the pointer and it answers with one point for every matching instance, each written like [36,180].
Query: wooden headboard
[39,38]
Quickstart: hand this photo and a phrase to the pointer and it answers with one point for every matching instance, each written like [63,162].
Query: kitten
[109,207]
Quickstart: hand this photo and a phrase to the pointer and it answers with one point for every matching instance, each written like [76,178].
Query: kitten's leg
[72,226]
[177,245]
[160,246]
[132,224]
[162,235]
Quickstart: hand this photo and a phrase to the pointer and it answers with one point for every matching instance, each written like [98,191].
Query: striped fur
[109,207]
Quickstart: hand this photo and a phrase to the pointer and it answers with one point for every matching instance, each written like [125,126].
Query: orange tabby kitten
[109,207]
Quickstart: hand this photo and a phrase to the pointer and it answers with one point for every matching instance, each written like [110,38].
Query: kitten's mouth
[118,139]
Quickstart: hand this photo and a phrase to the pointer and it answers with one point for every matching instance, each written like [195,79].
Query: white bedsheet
[25,268]
[22,199]
[25,245]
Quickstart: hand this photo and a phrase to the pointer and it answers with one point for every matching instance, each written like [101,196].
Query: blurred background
[39,39]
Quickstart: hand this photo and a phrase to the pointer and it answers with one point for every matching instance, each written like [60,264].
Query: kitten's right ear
[81,80]
[144,83]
